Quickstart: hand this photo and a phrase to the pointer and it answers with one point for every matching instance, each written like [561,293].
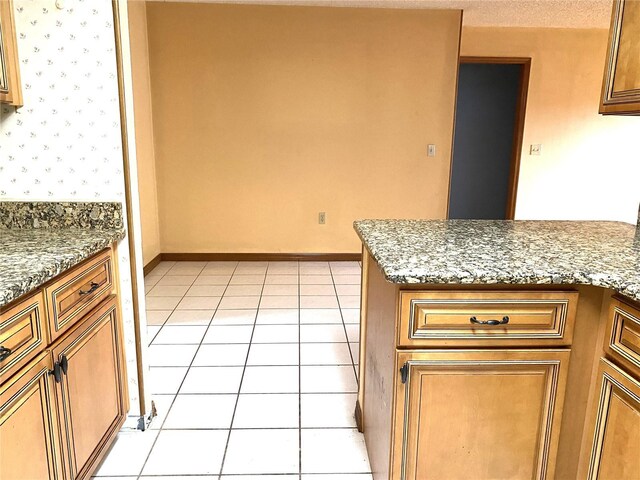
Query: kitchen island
[500,349]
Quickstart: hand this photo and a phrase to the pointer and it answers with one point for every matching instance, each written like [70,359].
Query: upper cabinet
[10,88]
[621,86]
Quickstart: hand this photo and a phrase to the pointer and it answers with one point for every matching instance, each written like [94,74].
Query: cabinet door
[90,396]
[10,87]
[478,414]
[28,428]
[614,426]
[621,86]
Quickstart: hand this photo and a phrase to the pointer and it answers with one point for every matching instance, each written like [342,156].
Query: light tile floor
[253,374]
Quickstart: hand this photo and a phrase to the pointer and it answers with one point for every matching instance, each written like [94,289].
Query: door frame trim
[518,130]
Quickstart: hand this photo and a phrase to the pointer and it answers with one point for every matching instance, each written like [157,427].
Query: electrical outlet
[431,150]
[535,149]
[322,218]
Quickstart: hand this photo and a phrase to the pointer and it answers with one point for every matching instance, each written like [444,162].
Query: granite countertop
[604,254]
[36,246]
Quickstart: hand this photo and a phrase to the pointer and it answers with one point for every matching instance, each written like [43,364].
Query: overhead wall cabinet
[10,87]
[621,85]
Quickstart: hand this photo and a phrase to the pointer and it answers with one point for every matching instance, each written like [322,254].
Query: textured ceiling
[495,13]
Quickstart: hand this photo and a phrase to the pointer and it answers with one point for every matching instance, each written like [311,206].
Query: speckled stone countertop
[31,256]
[604,254]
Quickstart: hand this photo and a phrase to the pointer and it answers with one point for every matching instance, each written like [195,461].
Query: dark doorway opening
[490,111]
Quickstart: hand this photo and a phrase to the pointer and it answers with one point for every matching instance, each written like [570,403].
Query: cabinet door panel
[90,396]
[615,426]
[494,413]
[27,427]
[621,85]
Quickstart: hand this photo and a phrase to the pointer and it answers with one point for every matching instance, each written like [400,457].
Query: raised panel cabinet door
[28,426]
[90,395]
[614,426]
[10,85]
[485,415]
[621,85]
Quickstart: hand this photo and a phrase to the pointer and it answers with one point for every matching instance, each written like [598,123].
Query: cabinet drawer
[622,341]
[486,318]
[78,291]
[21,334]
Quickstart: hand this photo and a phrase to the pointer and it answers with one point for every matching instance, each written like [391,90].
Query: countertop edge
[596,279]
[47,271]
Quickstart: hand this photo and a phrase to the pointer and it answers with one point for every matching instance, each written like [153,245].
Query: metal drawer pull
[4,352]
[504,321]
[64,364]
[94,287]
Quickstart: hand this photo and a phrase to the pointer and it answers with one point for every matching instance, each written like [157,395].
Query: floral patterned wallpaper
[65,144]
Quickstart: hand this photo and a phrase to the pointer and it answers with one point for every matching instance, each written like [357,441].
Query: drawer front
[78,291]
[622,341]
[486,318]
[22,334]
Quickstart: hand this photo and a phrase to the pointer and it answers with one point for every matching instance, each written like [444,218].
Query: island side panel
[380,369]
[364,284]
[587,335]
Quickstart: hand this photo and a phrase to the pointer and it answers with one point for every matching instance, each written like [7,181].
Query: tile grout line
[246,360]
[299,378]
[343,324]
[186,373]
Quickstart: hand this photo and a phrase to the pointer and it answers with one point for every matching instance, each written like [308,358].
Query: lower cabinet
[614,426]
[478,414]
[90,397]
[60,413]
[28,426]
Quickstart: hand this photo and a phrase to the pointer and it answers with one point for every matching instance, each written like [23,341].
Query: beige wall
[144,131]
[590,165]
[265,116]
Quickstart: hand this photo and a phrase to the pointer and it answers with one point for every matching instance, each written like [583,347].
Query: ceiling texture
[482,13]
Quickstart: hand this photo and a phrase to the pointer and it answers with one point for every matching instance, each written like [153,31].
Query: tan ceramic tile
[199,303]
[177,280]
[206,291]
[270,290]
[279,301]
[243,290]
[281,280]
[317,290]
[168,291]
[318,301]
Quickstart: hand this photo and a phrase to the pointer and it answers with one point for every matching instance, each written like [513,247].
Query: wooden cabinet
[611,448]
[621,85]
[63,397]
[441,397]
[90,394]
[495,413]
[10,87]
[614,426]
[28,427]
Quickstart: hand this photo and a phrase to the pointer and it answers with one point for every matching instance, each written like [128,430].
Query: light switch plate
[431,150]
[535,149]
